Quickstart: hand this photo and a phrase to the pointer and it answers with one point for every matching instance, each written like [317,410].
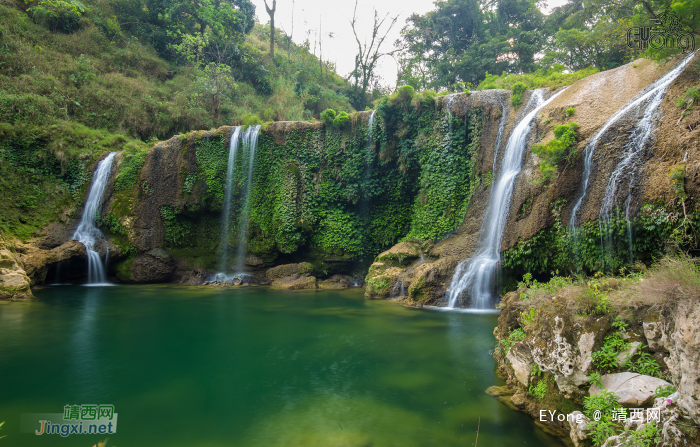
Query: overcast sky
[335,17]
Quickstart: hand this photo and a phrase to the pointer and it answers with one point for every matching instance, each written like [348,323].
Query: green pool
[209,367]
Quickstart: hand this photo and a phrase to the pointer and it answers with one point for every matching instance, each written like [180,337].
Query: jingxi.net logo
[75,420]
[666,32]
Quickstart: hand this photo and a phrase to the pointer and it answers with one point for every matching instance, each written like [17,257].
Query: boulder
[295,282]
[37,262]
[633,389]
[254,261]
[14,282]
[156,265]
[335,282]
[281,271]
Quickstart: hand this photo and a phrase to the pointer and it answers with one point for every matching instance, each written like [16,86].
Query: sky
[314,17]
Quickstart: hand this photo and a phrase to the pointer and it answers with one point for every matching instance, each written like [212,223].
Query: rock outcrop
[14,282]
[295,282]
[157,265]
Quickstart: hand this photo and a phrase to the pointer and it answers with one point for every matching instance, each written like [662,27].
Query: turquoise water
[209,367]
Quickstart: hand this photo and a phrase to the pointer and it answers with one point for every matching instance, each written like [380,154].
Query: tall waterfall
[370,128]
[250,142]
[654,95]
[501,128]
[87,233]
[228,195]
[475,275]
[627,168]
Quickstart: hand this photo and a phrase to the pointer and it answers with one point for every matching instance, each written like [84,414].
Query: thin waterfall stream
[228,196]
[87,233]
[655,94]
[250,142]
[474,276]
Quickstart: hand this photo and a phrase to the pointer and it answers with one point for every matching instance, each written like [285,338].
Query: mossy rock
[284,270]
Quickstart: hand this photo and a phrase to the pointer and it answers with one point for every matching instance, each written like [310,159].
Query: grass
[553,78]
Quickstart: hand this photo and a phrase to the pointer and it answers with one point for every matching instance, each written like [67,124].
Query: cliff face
[535,238]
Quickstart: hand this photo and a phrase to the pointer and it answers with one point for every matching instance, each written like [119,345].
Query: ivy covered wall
[321,193]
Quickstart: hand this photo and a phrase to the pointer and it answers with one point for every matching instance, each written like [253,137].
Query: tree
[271,13]
[368,55]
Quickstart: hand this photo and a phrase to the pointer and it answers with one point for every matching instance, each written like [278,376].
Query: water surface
[187,366]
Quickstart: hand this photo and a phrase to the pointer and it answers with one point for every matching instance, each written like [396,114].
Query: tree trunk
[271,13]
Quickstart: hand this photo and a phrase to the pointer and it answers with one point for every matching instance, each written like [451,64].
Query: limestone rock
[295,282]
[681,337]
[281,271]
[254,261]
[569,364]
[628,353]
[37,261]
[578,424]
[633,389]
[520,359]
[14,282]
[335,282]
[404,252]
[653,333]
[157,265]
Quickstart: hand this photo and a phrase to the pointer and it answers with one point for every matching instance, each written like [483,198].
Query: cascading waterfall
[370,128]
[474,275]
[250,142]
[501,128]
[655,94]
[87,233]
[628,167]
[228,195]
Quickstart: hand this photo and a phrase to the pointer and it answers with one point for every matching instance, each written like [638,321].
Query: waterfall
[501,128]
[250,142]
[654,94]
[627,169]
[87,233]
[450,100]
[228,195]
[475,275]
[370,127]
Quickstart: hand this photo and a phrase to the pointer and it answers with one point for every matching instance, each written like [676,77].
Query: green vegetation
[322,193]
[538,391]
[563,146]
[518,89]
[570,111]
[514,336]
[664,391]
[605,358]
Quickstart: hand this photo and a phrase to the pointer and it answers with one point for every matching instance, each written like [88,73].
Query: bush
[570,111]
[58,15]
[538,391]
[327,116]
[517,98]
[341,120]
[563,145]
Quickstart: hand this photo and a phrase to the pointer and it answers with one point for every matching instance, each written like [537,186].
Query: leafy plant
[570,111]
[341,119]
[645,364]
[327,116]
[606,357]
[538,391]
[514,336]
[518,88]
[562,146]
[599,408]
[528,317]
[664,390]
[596,379]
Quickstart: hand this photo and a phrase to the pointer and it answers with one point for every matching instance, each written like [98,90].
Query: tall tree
[368,55]
[271,13]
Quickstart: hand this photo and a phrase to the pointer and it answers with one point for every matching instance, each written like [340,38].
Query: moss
[123,269]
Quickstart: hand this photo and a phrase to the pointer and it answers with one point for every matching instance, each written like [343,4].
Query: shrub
[327,116]
[517,98]
[563,145]
[570,111]
[341,120]
[58,15]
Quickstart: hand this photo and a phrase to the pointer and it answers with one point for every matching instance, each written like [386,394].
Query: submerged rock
[633,389]
[335,282]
